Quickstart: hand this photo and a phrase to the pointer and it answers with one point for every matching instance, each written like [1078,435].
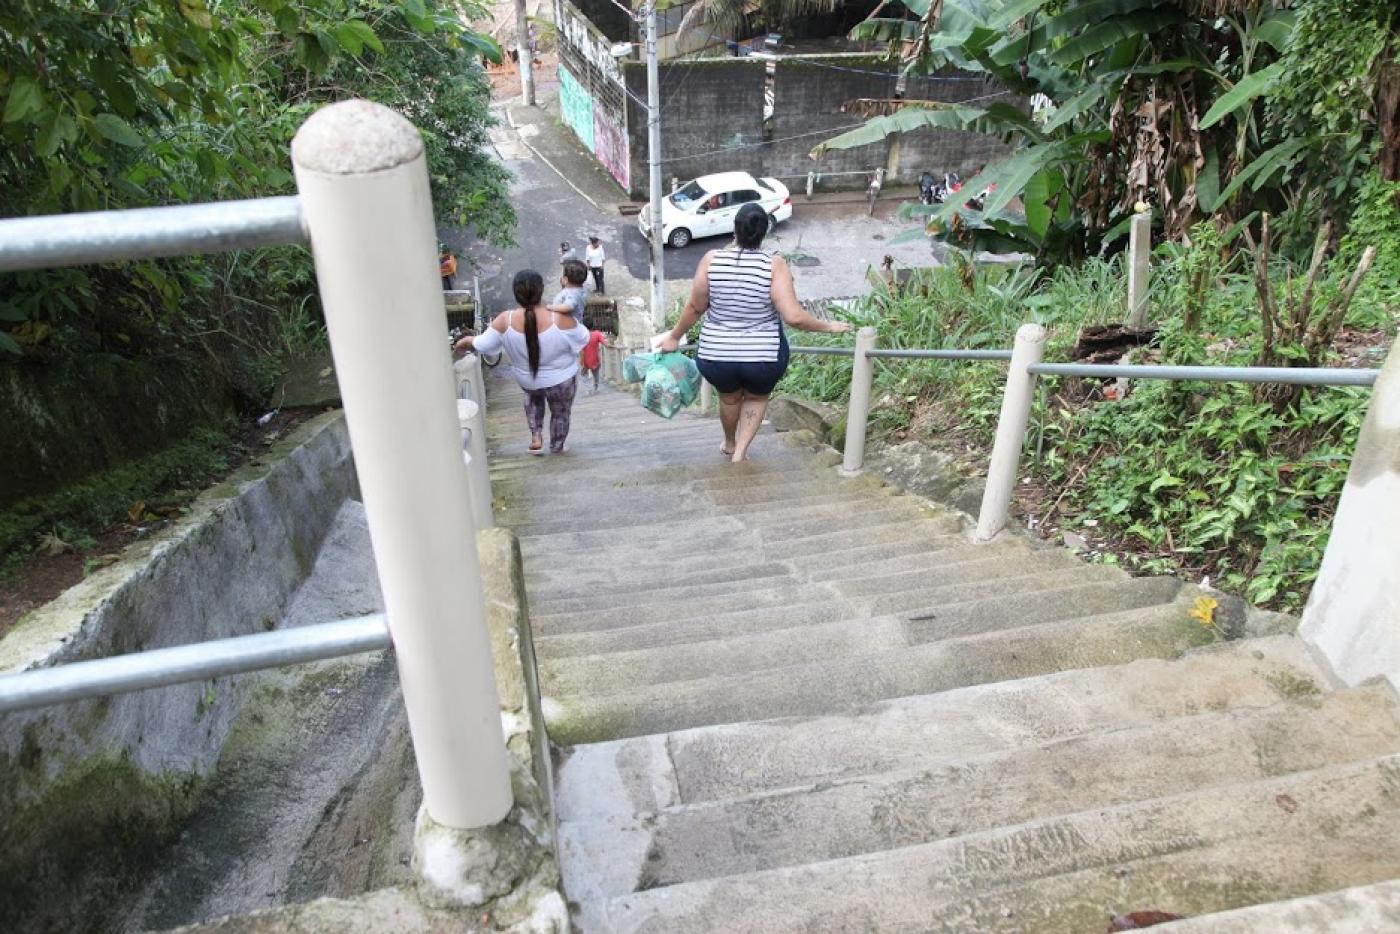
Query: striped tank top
[741,324]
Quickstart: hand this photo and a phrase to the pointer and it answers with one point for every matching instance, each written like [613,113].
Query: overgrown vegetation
[125,103]
[1194,477]
[108,104]
[1265,138]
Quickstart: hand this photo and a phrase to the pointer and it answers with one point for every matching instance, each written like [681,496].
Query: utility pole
[527,57]
[658,244]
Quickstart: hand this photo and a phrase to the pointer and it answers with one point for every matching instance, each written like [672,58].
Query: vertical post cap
[1030,333]
[355,137]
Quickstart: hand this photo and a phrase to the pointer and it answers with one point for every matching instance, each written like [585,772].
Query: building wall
[707,105]
[807,97]
[591,91]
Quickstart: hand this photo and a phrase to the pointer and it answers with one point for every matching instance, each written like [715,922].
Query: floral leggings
[561,402]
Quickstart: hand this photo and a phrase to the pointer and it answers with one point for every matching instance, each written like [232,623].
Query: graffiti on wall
[575,30]
[610,146]
[576,107]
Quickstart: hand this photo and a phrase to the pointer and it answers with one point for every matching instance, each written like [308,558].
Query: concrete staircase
[787,701]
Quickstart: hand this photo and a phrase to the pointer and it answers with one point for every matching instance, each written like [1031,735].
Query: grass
[1191,478]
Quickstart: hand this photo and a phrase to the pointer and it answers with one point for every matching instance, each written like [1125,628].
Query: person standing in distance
[595,258]
[745,296]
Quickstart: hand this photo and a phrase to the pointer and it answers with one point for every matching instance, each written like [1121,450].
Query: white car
[706,206]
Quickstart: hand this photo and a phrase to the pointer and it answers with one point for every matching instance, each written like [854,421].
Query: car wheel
[679,237]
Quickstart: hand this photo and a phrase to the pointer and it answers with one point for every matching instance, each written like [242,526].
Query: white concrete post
[471,418]
[706,397]
[1011,431]
[858,411]
[1139,268]
[363,183]
[1353,613]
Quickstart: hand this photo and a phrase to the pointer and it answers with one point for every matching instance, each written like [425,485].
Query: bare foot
[536,445]
[726,451]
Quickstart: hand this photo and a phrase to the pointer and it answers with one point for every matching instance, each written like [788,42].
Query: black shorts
[755,378]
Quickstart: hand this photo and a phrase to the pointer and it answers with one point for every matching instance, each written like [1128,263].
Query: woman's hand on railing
[462,347]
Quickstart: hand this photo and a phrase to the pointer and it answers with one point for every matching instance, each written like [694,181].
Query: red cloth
[590,350]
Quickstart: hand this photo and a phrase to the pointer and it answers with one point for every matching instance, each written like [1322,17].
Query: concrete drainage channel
[251,793]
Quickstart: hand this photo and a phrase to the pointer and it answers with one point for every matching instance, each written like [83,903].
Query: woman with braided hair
[543,346]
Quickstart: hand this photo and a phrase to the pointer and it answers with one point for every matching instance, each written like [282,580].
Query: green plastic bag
[671,383]
[634,367]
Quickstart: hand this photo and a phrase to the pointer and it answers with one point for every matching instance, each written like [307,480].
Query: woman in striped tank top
[745,296]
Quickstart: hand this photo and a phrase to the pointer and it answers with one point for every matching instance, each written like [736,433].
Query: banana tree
[1144,100]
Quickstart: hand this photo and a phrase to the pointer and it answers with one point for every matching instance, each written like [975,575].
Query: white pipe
[858,411]
[1011,431]
[1353,612]
[472,424]
[363,182]
[1139,268]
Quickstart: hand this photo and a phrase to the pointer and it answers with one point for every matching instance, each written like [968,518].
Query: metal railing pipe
[363,179]
[1300,376]
[858,410]
[1011,431]
[107,236]
[941,354]
[140,671]
[471,418]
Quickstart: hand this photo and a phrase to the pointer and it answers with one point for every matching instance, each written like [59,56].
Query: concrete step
[598,579]
[993,563]
[694,510]
[754,577]
[728,652]
[981,581]
[1214,849]
[885,811]
[921,530]
[711,626]
[645,611]
[652,772]
[560,583]
[841,684]
[1362,909]
[663,542]
[778,648]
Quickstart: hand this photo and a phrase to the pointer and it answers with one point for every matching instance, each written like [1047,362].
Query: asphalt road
[840,241]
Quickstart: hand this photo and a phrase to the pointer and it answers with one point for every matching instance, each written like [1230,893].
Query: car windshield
[687,195]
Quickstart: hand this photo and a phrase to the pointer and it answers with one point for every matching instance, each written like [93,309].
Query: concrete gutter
[73,774]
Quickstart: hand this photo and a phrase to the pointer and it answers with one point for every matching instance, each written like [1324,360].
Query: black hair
[529,289]
[563,246]
[750,226]
[575,273]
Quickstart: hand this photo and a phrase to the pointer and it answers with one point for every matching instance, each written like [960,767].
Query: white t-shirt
[594,256]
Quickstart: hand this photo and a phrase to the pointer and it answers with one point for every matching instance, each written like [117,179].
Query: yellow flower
[1204,610]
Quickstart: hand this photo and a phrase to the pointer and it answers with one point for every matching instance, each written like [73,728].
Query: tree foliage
[109,104]
[1192,107]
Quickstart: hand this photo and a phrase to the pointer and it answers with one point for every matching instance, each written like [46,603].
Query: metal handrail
[138,671]
[1296,376]
[145,233]
[941,354]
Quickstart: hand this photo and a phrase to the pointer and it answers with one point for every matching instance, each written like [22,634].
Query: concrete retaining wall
[713,121]
[81,776]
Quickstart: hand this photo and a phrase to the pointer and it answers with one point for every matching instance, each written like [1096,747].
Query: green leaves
[25,102]
[117,130]
[1244,92]
[355,34]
